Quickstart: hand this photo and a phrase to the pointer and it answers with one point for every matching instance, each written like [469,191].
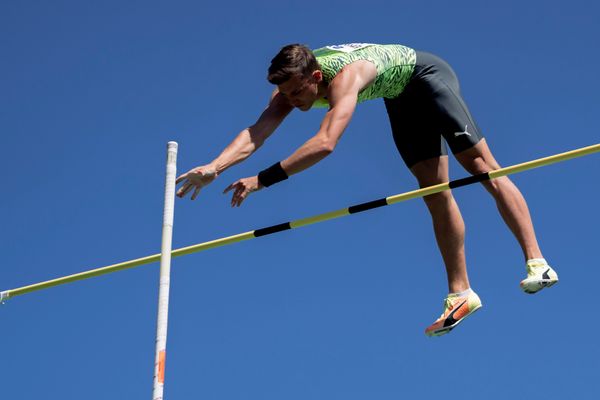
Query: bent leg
[448,224]
[509,200]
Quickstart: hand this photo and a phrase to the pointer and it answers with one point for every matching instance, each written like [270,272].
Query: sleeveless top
[395,64]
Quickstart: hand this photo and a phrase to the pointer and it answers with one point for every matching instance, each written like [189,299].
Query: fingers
[228,188]
[181,178]
[239,189]
[240,194]
[187,186]
[195,194]
[235,199]
[241,198]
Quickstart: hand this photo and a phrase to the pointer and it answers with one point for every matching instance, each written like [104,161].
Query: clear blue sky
[90,93]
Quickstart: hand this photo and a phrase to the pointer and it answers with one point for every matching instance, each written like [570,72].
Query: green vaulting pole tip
[541,162]
[3,297]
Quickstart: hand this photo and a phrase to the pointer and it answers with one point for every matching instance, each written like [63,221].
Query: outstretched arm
[311,152]
[342,94]
[323,143]
[246,143]
[252,138]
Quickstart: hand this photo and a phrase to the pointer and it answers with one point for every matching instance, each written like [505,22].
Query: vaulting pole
[541,162]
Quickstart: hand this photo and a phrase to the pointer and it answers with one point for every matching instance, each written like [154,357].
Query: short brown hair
[293,59]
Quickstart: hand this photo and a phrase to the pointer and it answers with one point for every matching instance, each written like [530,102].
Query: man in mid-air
[422,97]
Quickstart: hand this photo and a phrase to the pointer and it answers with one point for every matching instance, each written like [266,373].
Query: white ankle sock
[464,293]
[537,261]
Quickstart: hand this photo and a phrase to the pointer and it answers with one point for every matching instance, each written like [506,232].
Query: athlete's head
[297,74]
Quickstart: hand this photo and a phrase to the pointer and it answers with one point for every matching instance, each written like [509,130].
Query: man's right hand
[196,178]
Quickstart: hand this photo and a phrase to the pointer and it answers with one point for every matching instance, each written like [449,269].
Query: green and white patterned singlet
[394,63]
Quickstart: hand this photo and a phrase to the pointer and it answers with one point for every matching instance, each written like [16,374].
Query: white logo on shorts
[457,134]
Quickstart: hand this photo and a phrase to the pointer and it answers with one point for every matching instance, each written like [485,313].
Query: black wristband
[272,175]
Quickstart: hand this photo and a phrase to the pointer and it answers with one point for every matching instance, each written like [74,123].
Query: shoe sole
[534,287]
[447,329]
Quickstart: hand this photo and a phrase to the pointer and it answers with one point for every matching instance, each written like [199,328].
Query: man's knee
[477,159]
[478,165]
[431,172]
[440,200]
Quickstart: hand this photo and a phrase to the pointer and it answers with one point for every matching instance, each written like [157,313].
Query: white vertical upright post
[165,273]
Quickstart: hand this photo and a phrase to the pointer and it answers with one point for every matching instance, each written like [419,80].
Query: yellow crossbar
[308,221]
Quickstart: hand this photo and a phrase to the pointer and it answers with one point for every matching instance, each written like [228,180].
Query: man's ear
[317,75]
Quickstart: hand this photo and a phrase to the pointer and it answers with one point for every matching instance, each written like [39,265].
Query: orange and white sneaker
[539,276]
[457,307]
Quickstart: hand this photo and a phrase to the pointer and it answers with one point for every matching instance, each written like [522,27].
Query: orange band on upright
[161,366]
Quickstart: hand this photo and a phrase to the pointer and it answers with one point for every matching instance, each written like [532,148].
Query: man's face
[301,91]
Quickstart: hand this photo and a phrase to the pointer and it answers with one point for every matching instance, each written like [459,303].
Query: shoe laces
[533,270]
[448,305]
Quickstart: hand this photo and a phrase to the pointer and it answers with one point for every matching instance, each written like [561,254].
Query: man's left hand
[243,188]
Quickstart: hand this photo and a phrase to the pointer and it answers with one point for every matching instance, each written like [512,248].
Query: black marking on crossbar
[272,229]
[367,206]
[467,181]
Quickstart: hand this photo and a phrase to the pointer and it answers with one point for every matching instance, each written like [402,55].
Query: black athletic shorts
[429,110]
